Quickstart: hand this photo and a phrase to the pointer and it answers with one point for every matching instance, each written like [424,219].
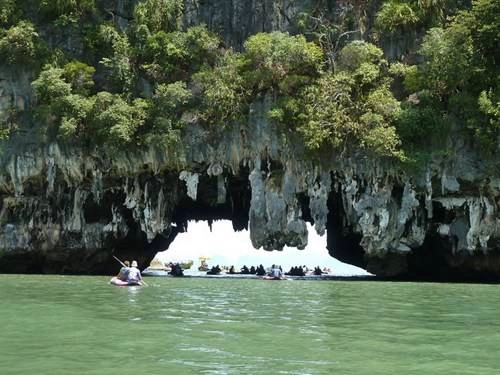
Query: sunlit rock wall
[64,210]
[68,210]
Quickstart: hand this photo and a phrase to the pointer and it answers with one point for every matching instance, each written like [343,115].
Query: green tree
[356,53]
[487,126]
[9,13]
[66,11]
[169,57]
[79,75]
[224,91]
[75,115]
[325,112]
[116,121]
[170,98]
[352,108]
[396,16]
[333,115]
[483,21]
[119,63]
[152,16]
[447,54]
[50,85]
[169,102]
[18,44]
[274,57]
[63,112]
[423,124]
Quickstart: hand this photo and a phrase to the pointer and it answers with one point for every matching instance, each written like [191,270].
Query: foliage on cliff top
[18,44]
[346,110]
[460,74]
[143,83]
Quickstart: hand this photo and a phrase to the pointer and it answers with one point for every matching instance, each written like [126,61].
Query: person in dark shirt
[123,274]
[260,270]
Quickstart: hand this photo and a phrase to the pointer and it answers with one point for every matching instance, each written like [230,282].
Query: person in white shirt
[134,275]
[276,272]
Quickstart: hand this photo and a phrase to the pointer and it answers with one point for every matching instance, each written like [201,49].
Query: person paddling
[123,274]
[276,272]
[134,275]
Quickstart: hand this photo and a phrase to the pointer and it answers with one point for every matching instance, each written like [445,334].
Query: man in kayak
[276,272]
[134,275]
[123,274]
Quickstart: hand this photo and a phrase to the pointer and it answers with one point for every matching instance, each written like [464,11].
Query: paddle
[119,261]
[123,264]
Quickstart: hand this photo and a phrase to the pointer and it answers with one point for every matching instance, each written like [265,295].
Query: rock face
[63,210]
[67,210]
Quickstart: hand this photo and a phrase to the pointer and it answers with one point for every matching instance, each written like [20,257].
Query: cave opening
[209,217]
[221,245]
[343,244]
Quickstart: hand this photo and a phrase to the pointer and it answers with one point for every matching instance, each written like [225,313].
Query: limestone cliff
[64,210]
[68,209]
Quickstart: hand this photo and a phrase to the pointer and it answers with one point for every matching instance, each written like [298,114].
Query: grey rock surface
[58,200]
[65,209]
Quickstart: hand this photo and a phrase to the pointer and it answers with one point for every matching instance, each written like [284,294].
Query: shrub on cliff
[406,16]
[118,63]
[50,85]
[79,75]
[116,121]
[171,98]
[169,102]
[356,53]
[66,11]
[447,54]
[19,44]
[333,114]
[9,13]
[278,60]
[54,83]
[396,16]
[75,113]
[222,90]
[60,111]
[152,16]
[168,57]
[352,108]
[68,113]
[459,71]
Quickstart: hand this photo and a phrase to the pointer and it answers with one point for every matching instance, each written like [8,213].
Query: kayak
[116,281]
[271,278]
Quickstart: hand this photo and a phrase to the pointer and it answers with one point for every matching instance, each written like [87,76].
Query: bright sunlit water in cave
[82,325]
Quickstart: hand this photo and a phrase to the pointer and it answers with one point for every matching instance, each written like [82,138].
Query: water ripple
[81,325]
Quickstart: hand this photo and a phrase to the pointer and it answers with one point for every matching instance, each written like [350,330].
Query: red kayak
[116,281]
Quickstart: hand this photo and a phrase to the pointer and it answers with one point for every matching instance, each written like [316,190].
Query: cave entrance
[223,246]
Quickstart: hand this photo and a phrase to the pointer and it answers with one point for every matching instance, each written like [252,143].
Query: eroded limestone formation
[64,210]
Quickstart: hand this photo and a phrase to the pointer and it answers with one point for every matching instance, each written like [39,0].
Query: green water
[81,325]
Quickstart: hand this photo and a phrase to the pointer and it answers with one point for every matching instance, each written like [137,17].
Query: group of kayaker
[129,274]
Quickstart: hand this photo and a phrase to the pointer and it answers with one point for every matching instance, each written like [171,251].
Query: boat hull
[117,282]
[271,278]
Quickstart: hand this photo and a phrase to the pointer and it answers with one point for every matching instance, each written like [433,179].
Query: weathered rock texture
[68,210]
[64,210]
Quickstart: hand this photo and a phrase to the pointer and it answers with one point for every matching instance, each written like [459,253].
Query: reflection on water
[81,325]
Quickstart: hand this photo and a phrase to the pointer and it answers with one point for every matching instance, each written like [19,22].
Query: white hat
[134,263]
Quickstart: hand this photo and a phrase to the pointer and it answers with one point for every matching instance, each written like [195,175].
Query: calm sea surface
[82,325]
